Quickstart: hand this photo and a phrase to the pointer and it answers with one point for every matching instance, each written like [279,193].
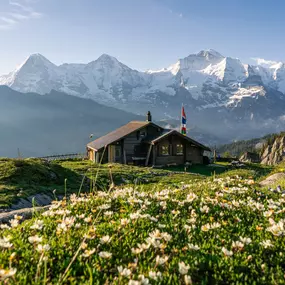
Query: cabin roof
[133,126]
[119,134]
[170,132]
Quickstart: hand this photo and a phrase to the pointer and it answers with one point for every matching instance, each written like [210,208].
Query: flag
[183,121]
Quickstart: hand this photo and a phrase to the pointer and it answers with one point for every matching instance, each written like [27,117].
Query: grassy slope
[237,218]
[23,178]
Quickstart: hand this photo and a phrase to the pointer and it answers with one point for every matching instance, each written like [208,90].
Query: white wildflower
[237,245]
[206,227]
[183,268]
[43,248]
[77,225]
[88,219]
[245,240]
[193,247]
[124,271]
[267,214]
[38,225]
[17,217]
[105,254]
[134,282]
[191,197]
[227,252]
[4,226]
[175,212]
[161,260]
[4,242]
[104,207]
[105,239]
[137,250]
[277,229]
[215,225]
[108,213]
[87,252]
[155,275]
[205,209]
[266,243]
[124,222]
[166,236]
[35,239]
[14,223]
[7,273]
[143,279]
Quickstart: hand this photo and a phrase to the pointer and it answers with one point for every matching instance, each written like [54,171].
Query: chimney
[148,116]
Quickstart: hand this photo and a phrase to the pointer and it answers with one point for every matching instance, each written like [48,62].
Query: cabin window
[118,151]
[179,149]
[164,150]
[142,134]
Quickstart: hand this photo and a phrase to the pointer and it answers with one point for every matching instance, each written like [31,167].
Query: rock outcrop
[250,157]
[275,153]
[25,213]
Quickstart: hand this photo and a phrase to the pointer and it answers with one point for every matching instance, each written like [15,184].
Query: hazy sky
[141,33]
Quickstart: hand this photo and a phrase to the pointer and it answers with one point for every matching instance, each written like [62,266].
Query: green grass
[206,170]
[23,178]
[27,177]
[201,216]
[181,219]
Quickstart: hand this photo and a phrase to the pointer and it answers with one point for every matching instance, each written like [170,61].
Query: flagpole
[181,118]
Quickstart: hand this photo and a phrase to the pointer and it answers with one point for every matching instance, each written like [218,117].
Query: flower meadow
[211,231]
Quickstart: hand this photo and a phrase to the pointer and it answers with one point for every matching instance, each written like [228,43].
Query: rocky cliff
[274,153]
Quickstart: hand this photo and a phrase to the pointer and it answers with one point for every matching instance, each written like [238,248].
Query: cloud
[264,62]
[180,15]
[18,11]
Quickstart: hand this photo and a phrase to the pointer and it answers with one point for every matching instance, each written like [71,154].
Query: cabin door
[115,153]
[112,153]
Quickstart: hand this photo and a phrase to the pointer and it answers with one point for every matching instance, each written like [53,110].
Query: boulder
[272,179]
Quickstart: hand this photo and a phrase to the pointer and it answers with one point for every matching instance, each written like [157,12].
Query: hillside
[270,148]
[172,230]
[23,179]
[52,124]
[237,148]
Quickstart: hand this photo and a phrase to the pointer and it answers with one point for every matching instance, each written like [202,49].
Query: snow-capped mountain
[213,87]
[208,78]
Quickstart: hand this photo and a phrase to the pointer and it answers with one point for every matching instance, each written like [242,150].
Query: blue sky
[141,33]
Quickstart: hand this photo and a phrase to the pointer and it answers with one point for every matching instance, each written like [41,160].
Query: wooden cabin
[145,143]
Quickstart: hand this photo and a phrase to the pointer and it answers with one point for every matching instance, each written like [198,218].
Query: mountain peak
[105,58]
[35,59]
[208,53]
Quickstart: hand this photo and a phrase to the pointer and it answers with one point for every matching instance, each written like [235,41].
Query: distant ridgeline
[256,145]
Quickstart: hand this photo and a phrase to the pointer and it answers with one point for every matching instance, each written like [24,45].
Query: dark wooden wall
[133,142]
[190,152]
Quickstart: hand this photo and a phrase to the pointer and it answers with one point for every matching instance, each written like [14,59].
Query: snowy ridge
[207,79]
